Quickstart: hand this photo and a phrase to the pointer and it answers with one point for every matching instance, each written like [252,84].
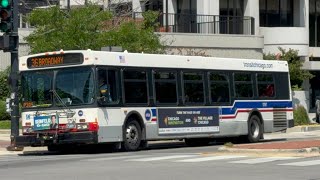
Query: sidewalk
[306,148]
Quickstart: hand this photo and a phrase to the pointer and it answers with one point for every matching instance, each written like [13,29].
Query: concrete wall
[301,98]
[235,46]
[208,7]
[252,9]
[286,37]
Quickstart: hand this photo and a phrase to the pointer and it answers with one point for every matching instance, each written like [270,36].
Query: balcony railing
[207,24]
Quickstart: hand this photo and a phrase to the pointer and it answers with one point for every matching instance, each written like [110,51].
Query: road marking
[302,163]
[211,158]
[263,160]
[112,158]
[162,158]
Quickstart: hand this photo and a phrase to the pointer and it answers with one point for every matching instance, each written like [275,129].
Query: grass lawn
[5,124]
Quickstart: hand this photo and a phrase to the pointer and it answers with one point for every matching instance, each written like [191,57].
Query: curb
[303,128]
[299,151]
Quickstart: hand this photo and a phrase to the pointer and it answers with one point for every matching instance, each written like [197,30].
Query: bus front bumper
[49,139]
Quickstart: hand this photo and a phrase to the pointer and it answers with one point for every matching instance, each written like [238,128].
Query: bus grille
[279,119]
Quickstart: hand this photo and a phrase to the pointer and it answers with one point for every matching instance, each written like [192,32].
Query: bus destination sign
[54,60]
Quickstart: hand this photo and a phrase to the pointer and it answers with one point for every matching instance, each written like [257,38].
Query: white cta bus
[128,99]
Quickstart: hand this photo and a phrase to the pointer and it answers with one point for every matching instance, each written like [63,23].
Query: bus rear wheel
[132,135]
[255,129]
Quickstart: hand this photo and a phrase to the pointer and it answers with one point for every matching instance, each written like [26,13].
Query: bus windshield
[36,87]
[74,86]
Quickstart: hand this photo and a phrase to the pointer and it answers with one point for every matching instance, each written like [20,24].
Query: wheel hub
[255,129]
[132,135]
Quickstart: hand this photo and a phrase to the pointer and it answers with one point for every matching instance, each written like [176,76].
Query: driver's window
[107,86]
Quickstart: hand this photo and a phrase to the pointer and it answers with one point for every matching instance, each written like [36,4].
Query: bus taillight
[93,126]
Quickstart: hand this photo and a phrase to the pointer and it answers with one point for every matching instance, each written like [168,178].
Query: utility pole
[15,116]
[9,26]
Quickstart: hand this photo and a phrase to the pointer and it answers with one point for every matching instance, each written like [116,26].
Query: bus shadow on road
[108,149]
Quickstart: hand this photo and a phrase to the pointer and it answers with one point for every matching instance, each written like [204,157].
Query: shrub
[3,114]
[228,144]
[300,116]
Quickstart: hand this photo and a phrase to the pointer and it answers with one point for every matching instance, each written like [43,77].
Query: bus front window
[36,87]
[75,86]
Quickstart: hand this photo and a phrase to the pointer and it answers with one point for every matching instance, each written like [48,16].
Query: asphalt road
[161,161]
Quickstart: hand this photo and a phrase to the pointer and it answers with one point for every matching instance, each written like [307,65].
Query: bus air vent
[279,118]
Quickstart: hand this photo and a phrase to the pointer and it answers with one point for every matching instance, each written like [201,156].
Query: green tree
[4,93]
[4,86]
[90,27]
[297,74]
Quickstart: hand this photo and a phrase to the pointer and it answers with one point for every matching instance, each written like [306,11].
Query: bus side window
[135,86]
[243,85]
[193,87]
[107,86]
[265,84]
[219,88]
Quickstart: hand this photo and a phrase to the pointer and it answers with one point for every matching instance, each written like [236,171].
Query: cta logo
[80,113]
[148,115]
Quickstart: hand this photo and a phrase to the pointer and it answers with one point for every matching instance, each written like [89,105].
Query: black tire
[317,118]
[53,148]
[197,142]
[131,135]
[255,129]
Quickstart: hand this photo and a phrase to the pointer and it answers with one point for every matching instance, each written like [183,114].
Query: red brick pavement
[281,145]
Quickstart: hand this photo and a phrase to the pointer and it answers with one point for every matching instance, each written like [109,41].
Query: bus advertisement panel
[188,120]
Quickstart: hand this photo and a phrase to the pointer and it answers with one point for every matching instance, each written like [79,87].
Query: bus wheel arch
[135,123]
[255,126]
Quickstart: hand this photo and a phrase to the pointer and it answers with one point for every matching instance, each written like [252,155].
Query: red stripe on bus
[263,110]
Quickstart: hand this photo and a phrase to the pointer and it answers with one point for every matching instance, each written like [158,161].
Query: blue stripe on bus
[154,112]
[255,105]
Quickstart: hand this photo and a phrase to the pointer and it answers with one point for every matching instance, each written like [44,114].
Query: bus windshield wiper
[69,113]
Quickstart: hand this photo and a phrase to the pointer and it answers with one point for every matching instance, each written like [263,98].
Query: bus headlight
[27,129]
[82,126]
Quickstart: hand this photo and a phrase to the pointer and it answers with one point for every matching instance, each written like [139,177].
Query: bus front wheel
[132,135]
[254,129]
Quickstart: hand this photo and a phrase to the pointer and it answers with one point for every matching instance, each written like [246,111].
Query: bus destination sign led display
[54,60]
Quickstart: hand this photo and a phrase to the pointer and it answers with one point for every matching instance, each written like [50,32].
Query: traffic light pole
[14,77]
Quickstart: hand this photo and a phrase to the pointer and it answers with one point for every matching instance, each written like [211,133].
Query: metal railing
[208,24]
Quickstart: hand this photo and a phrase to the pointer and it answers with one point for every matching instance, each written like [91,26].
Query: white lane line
[263,160]
[302,163]
[112,158]
[210,158]
[163,158]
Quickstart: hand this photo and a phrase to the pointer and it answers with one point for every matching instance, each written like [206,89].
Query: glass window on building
[276,13]
[231,19]
[314,23]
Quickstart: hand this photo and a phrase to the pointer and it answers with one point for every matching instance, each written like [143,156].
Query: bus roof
[125,59]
